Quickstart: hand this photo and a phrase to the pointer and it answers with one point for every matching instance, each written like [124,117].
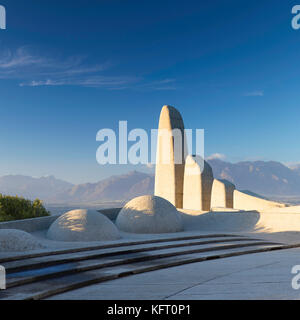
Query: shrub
[17,208]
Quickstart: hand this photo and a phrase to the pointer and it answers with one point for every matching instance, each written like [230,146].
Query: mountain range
[121,187]
[270,179]
[31,187]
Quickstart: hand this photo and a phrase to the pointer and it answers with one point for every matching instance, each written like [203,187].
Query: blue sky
[68,70]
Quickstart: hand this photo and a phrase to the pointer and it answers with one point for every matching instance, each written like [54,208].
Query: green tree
[17,208]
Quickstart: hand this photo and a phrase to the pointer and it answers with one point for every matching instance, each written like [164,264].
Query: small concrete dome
[83,225]
[17,240]
[149,214]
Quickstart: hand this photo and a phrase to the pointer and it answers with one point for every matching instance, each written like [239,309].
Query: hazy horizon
[146,170]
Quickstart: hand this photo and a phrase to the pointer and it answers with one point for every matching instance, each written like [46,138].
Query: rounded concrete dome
[149,214]
[17,240]
[83,225]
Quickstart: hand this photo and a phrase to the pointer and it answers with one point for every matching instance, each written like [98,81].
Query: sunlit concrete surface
[197,185]
[149,214]
[222,194]
[245,201]
[255,276]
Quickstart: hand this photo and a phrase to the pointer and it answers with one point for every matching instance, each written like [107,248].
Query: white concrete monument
[198,181]
[187,181]
[244,201]
[222,194]
[170,157]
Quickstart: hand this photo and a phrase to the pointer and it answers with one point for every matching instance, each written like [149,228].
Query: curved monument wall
[244,201]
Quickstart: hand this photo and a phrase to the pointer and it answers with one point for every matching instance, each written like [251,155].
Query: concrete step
[93,273]
[121,243]
[43,262]
[46,274]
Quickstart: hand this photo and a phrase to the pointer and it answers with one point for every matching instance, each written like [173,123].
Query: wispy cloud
[92,81]
[258,93]
[218,156]
[35,70]
[20,58]
[165,84]
[23,60]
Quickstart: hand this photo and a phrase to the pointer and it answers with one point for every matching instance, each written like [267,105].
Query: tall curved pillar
[222,194]
[198,181]
[170,156]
